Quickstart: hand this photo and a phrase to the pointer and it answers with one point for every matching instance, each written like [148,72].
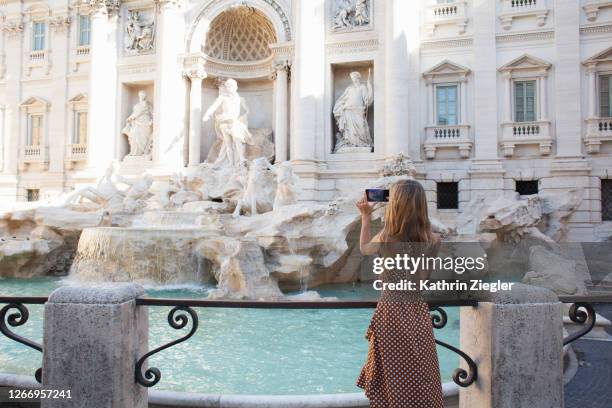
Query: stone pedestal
[516,339]
[92,341]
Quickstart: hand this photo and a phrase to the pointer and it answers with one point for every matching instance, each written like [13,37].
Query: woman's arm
[367,245]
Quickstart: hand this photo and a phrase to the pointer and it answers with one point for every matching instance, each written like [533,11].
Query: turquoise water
[242,351]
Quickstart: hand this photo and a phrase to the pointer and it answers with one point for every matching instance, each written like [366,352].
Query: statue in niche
[139,35]
[235,141]
[351,113]
[351,14]
[139,127]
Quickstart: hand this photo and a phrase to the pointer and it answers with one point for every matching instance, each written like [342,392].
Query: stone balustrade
[598,130]
[454,136]
[447,14]
[526,133]
[512,9]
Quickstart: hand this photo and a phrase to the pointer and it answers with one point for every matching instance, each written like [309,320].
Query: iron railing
[182,313]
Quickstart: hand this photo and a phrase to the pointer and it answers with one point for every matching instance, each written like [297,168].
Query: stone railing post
[516,338]
[92,340]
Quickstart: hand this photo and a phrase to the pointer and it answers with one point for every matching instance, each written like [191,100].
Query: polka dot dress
[402,368]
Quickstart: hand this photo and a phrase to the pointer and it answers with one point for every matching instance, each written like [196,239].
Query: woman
[402,366]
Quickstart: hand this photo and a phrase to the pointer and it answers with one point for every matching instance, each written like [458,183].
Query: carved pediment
[38,10]
[525,62]
[34,102]
[79,101]
[603,56]
[446,67]
[79,98]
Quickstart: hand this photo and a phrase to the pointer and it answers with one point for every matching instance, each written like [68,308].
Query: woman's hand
[364,206]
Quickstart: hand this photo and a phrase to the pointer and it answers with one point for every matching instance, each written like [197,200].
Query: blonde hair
[406,217]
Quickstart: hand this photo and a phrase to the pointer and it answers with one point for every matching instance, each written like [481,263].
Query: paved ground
[592,385]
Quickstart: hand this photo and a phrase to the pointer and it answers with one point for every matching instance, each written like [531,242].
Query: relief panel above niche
[139,31]
[351,15]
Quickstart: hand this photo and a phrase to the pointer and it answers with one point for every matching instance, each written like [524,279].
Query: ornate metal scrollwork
[461,377]
[15,320]
[585,317]
[177,321]
[440,319]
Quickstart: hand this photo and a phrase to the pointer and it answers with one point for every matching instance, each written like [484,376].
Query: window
[38,43]
[80,134]
[605,96]
[84,30]
[524,101]
[446,99]
[606,200]
[35,129]
[33,194]
[448,195]
[527,187]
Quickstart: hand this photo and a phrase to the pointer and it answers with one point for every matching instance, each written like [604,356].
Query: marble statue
[351,113]
[139,35]
[351,14]
[256,194]
[286,185]
[136,194]
[105,194]
[139,127]
[177,192]
[362,16]
[231,124]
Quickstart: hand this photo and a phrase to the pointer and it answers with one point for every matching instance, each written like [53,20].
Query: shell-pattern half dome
[240,34]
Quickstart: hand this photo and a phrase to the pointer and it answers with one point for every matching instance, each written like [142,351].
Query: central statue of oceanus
[235,143]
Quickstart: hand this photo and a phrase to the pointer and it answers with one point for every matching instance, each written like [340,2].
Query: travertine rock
[554,271]
[513,218]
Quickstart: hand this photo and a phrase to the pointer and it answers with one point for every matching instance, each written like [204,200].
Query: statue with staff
[351,114]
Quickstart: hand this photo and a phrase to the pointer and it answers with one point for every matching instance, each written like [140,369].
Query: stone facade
[519,83]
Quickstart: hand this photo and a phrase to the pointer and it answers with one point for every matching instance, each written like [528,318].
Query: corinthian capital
[169,4]
[195,72]
[280,65]
[102,6]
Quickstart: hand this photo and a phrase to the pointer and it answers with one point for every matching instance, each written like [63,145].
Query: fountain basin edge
[174,399]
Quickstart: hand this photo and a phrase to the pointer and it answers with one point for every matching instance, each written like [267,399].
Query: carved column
[14,43]
[463,101]
[397,60]
[196,75]
[58,135]
[281,113]
[507,97]
[592,72]
[102,138]
[309,81]
[431,100]
[170,86]
[543,97]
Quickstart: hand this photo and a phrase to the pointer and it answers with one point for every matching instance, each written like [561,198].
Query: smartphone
[377,195]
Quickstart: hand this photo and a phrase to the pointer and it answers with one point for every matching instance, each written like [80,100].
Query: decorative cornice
[530,36]
[598,29]
[12,27]
[102,6]
[347,47]
[447,43]
[60,23]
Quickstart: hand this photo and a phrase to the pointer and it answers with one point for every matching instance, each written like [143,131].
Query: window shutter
[519,107]
[530,101]
[604,96]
